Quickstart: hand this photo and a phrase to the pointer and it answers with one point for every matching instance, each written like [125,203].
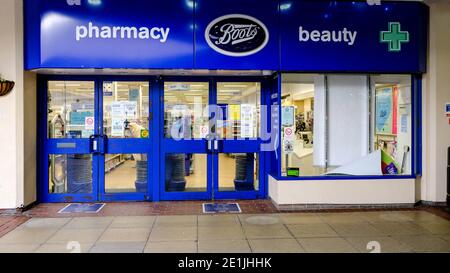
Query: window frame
[416,135]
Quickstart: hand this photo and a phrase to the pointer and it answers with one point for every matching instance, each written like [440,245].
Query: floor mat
[82,208]
[221,208]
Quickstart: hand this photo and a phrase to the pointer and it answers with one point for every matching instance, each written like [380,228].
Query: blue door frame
[155,147]
[47,146]
[196,146]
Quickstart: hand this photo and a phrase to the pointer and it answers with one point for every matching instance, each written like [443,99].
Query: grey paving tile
[268,231]
[224,246]
[133,222]
[434,227]
[383,216]
[64,248]
[78,235]
[171,247]
[218,220]
[342,218]
[424,243]
[163,234]
[40,223]
[421,216]
[386,244]
[118,247]
[275,246]
[355,229]
[312,230]
[399,228]
[300,218]
[220,233]
[125,235]
[18,248]
[176,221]
[326,245]
[259,219]
[28,236]
[89,222]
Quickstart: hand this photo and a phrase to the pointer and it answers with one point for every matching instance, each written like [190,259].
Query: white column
[436,92]
[16,142]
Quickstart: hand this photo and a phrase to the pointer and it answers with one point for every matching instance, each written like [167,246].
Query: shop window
[126,109]
[186,172]
[70,173]
[70,109]
[186,110]
[346,125]
[126,173]
[239,105]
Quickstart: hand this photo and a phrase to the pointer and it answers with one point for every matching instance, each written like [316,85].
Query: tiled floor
[386,231]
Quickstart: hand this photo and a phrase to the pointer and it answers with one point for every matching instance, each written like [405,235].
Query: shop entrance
[211,142]
[98,143]
[146,138]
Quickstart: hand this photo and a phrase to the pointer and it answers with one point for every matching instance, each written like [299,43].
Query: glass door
[124,163]
[185,158]
[237,152]
[211,143]
[70,127]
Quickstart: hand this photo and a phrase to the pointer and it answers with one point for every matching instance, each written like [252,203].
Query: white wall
[14,140]
[436,92]
[342,192]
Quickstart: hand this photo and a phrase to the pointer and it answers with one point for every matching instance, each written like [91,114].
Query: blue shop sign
[327,36]
[286,35]
[109,34]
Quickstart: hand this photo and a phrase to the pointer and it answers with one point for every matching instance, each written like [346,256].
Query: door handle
[210,145]
[216,145]
[93,141]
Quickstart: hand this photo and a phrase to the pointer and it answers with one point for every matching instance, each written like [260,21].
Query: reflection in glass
[186,172]
[186,110]
[125,173]
[238,172]
[240,104]
[70,173]
[126,109]
[70,109]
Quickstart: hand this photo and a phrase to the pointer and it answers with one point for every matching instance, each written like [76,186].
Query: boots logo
[237,35]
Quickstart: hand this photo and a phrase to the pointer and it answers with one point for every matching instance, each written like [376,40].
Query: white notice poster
[130,109]
[117,110]
[117,127]
[247,120]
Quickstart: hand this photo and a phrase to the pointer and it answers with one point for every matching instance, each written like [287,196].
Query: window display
[330,136]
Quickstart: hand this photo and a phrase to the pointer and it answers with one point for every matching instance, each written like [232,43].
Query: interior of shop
[71,115]
[187,117]
[346,125]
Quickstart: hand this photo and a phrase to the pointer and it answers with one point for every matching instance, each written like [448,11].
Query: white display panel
[347,128]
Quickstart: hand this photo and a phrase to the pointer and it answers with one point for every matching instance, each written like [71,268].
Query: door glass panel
[126,109]
[70,173]
[238,172]
[240,104]
[125,173]
[70,109]
[186,172]
[186,110]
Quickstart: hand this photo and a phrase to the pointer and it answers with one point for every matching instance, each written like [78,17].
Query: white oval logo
[236,35]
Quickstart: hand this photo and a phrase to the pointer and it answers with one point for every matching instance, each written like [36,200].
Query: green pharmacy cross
[395,37]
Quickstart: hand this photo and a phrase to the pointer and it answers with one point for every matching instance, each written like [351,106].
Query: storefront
[303,102]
